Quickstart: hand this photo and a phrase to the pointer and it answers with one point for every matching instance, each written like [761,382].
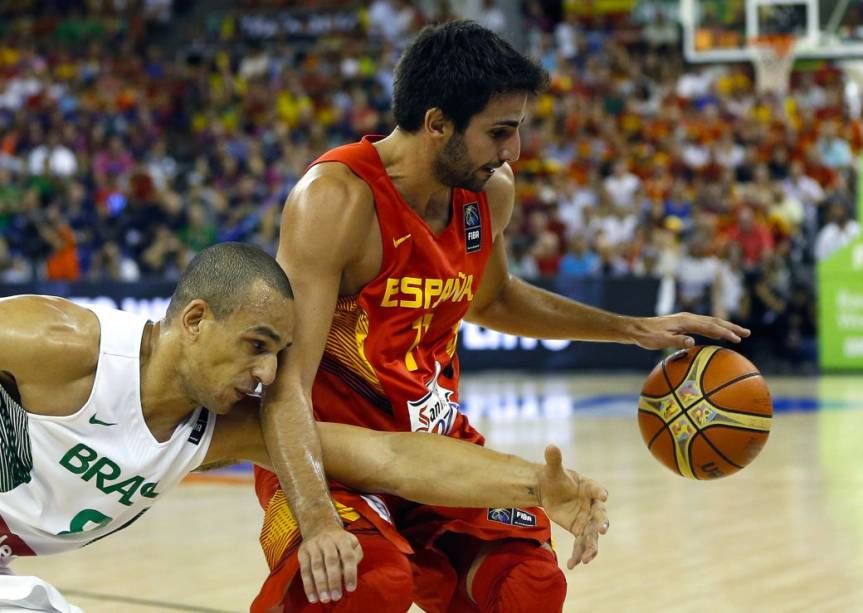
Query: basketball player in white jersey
[101,412]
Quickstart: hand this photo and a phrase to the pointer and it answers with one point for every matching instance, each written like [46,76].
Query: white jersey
[68,481]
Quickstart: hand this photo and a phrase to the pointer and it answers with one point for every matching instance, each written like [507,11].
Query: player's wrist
[631,329]
[534,490]
[319,518]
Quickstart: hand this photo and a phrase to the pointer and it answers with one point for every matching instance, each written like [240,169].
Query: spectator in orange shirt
[62,262]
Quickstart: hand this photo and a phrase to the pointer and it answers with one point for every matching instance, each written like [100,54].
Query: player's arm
[513,306]
[440,470]
[50,346]
[325,227]
[434,470]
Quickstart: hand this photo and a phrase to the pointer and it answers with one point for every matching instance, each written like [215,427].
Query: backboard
[720,30]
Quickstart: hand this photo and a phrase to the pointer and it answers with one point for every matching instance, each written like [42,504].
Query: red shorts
[412,528]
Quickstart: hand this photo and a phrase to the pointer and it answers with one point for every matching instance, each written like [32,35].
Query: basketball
[705,412]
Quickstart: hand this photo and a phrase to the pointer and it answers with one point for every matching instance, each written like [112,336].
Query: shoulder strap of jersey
[361,157]
[120,332]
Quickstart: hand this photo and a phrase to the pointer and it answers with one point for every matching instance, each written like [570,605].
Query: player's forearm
[295,452]
[526,310]
[427,469]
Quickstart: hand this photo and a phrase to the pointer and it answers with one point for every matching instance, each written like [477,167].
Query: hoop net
[773,58]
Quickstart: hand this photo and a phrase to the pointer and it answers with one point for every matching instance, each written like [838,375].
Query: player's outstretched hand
[672,331]
[329,559]
[573,502]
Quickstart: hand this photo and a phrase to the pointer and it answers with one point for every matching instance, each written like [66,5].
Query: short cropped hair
[458,67]
[222,275]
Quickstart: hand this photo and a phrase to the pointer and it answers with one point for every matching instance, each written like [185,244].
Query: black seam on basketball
[668,380]
[688,369]
[719,453]
[747,375]
[704,371]
[689,451]
[658,432]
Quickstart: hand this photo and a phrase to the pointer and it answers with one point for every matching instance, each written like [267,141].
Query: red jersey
[390,361]
[390,364]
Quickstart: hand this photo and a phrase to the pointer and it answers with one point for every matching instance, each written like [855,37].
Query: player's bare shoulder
[46,339]
[329,223]
[500,191]
[332,194]
[51,348]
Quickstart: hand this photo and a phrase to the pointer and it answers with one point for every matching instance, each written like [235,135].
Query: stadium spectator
[838,232]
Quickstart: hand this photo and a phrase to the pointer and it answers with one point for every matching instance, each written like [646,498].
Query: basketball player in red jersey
[390,243]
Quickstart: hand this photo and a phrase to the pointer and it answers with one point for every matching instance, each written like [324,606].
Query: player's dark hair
[458,67]
[222,276]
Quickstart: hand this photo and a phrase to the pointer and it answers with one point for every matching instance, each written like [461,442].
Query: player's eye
[259,346]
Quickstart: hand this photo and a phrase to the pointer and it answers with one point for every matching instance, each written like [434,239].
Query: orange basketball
[705,412]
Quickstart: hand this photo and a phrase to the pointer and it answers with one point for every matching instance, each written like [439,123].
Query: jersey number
[421,325]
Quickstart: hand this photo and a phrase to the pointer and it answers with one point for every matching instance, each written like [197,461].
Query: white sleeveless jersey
[68,481]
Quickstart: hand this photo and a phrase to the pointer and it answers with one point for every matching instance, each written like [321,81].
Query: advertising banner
[479,349]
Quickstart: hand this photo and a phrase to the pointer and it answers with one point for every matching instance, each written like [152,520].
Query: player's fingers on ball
[333,564]
[306,576]
[682,341]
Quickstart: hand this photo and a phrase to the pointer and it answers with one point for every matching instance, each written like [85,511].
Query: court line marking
[161,604]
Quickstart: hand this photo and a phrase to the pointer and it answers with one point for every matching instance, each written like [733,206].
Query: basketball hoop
[773,57]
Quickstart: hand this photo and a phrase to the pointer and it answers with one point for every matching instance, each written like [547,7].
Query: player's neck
[163,400]
[408,162]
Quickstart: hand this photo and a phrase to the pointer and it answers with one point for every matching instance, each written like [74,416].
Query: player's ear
[193,316]
[436,123]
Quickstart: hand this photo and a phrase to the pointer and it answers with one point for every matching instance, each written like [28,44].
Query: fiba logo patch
[512,517]
[472,227]
[434,412]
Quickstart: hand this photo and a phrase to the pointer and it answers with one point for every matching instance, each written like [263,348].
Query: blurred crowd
[123,153]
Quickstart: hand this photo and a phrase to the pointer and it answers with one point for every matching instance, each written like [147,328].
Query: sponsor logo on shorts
[435,412]
[512,517]
[379,507]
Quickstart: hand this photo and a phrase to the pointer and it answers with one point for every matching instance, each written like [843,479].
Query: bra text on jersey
[417,293]
[84,461]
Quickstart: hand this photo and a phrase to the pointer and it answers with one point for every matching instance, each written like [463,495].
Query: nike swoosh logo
[399,241]
[99,422]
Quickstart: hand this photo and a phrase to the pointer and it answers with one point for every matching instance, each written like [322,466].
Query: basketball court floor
[785,534]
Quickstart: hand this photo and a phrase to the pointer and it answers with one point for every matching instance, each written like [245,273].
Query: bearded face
[453,166]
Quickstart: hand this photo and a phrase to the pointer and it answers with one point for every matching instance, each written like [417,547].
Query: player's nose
[265,370]
[512,150]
